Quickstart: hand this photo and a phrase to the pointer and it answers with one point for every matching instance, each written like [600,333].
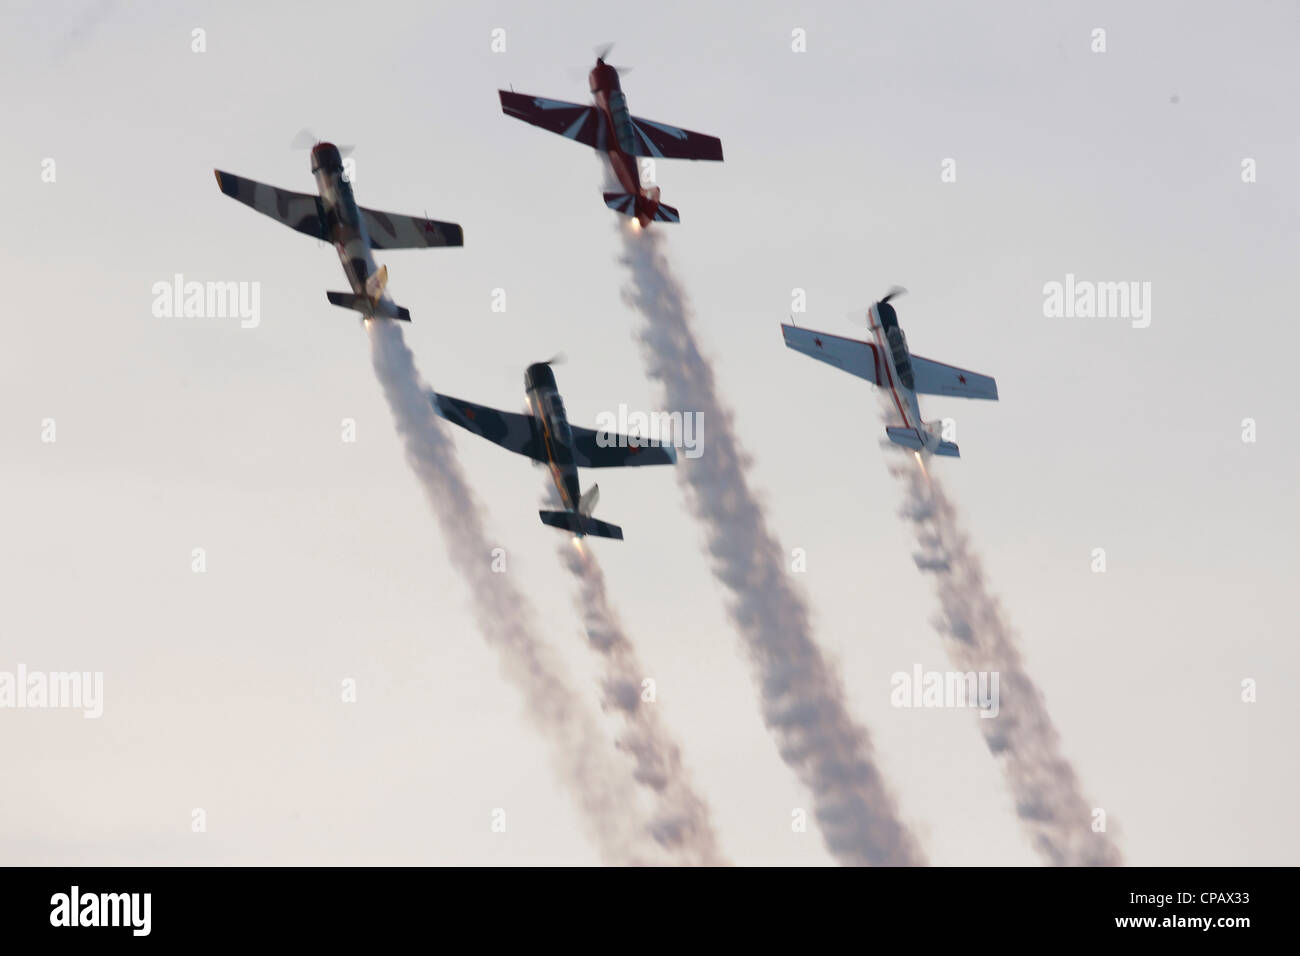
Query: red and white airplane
[609,127]
[887,362]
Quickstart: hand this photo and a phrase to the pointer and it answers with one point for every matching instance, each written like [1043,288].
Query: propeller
[306,138]
[602,54]
[559,358]
[858,317]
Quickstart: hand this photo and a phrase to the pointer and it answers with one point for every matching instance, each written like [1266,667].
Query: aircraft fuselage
[548,409]
[891,346]
[343,222]
[620,138]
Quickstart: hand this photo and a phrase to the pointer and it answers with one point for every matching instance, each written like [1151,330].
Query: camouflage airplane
[609,127]
[887,362]
[335,217]
[547,437]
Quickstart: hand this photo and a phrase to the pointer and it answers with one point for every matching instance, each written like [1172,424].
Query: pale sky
[324,562]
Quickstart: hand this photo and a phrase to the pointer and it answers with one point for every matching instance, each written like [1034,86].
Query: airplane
[546,436]
[888,363]
[609,127]
[355,231]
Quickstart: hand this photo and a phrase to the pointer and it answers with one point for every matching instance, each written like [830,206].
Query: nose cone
[325,156]
[539,375]
[603,77]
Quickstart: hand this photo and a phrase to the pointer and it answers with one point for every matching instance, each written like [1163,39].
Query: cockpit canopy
[888,317]
[622,121]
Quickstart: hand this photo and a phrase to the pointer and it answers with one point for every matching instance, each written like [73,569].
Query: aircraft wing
[850,355]
[573,120]
[299,211]
[391,230]
[671,142]
[610,450]
[510,430]
[935,378]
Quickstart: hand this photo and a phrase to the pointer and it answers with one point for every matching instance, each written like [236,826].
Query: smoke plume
[801,695]
[585,762]
[1049,799]
[682,823]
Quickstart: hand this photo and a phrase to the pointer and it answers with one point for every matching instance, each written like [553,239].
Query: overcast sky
[324,563]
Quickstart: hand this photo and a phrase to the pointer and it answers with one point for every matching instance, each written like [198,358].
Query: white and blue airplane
[887,362]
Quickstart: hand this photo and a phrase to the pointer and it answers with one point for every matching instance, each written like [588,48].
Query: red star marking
[469,413]
[962,379]
[817,342]
[428,226]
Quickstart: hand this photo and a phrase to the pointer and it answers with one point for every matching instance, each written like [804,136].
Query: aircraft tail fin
[383,309]
[946,448]
[377,282]
[587,503]
[581,524]
[908,438]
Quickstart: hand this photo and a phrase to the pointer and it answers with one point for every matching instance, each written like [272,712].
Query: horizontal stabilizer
[621,202]
[666,213]
[626,204]
[581,524]
[383,309]
[908,438]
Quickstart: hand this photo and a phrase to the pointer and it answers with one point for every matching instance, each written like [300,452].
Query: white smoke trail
[587,764]
[802,697]
[682,825]
[1049,799]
